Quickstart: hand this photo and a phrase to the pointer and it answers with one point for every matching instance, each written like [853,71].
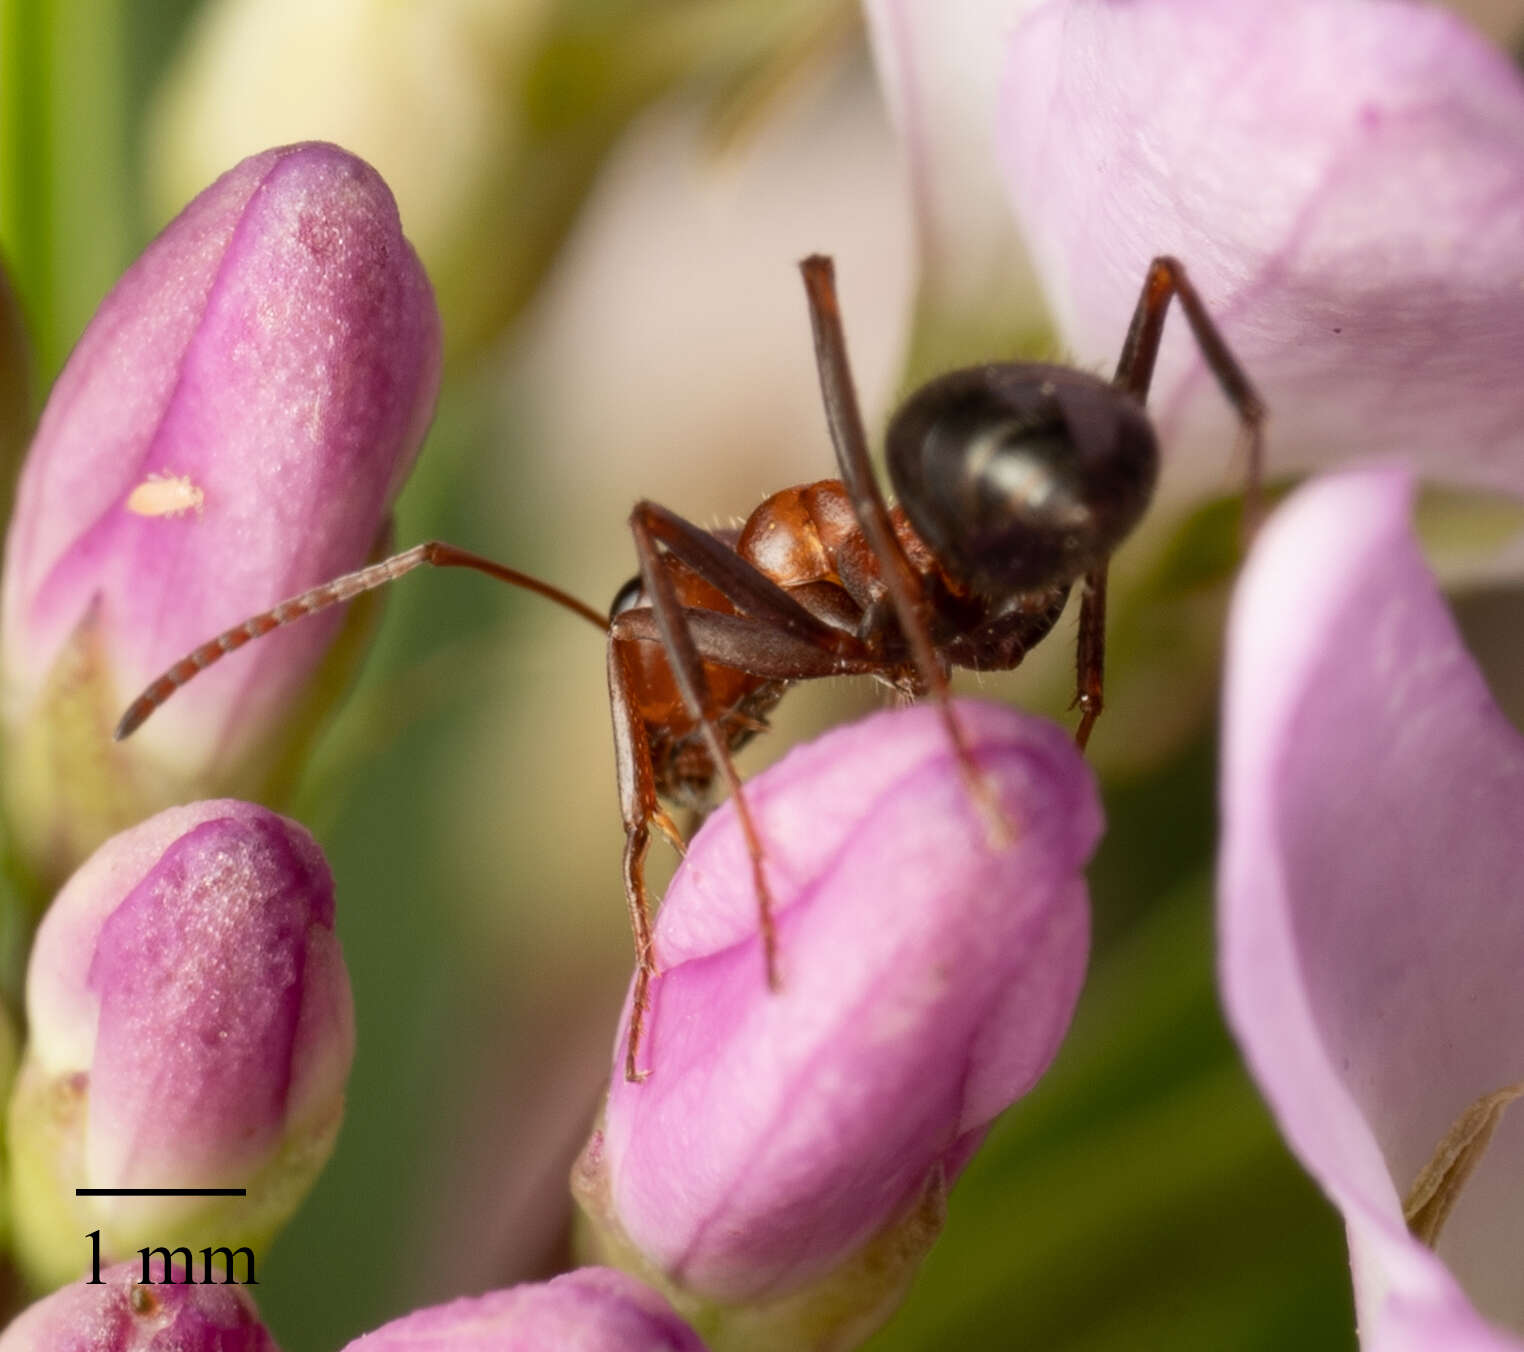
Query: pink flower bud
[191,1026]
[592,1310]
[231,428]
[789,1152]
[118,1315]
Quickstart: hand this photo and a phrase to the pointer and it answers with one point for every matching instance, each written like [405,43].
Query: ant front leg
[1090,654]
[638,808]
[1135,369]
[755,646]
[771,637]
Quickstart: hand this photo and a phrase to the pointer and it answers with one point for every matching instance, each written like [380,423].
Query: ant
[1015,480]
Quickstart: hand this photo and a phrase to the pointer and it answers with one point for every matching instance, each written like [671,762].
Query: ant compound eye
[1021,476]
[628,597]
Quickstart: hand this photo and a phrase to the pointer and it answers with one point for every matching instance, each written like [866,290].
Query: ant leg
[731,640]
[1135,369]
[688,671]
[764,643]
[748,645]
[1166,279]
[856,465]
[1090,654]
[638,806]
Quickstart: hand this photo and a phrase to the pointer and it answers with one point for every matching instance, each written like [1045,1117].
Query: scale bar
[161,1192]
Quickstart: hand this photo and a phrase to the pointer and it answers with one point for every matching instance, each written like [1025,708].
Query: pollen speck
[165,495]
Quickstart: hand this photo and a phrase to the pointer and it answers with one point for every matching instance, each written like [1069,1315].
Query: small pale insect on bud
[165,495]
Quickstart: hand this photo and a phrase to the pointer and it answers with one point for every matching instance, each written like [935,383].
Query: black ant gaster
[1016,480]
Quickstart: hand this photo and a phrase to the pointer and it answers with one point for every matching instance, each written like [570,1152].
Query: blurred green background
[611,198]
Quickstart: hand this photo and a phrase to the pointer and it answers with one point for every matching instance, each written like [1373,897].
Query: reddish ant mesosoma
[1015,481]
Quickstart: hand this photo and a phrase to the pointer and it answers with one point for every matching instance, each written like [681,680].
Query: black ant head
[1021,476]
[632,594]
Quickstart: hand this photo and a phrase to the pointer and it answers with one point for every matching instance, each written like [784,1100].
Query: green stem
[64,220]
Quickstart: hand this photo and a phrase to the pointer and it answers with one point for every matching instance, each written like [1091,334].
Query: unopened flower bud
[190,1026]
[231,428]
[782,1171]
[117,1314]
[592,1310]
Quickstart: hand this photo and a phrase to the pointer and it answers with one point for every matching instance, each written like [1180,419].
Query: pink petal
[1344,183]
[1373,811]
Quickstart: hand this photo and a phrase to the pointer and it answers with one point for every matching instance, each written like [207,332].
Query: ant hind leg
[1166,280]
[904,587]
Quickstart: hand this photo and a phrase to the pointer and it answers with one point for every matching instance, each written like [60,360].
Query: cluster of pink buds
[232,426]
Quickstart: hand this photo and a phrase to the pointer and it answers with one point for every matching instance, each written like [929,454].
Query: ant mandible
[1015,481]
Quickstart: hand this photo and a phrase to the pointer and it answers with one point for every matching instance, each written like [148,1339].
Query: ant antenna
[333,593]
